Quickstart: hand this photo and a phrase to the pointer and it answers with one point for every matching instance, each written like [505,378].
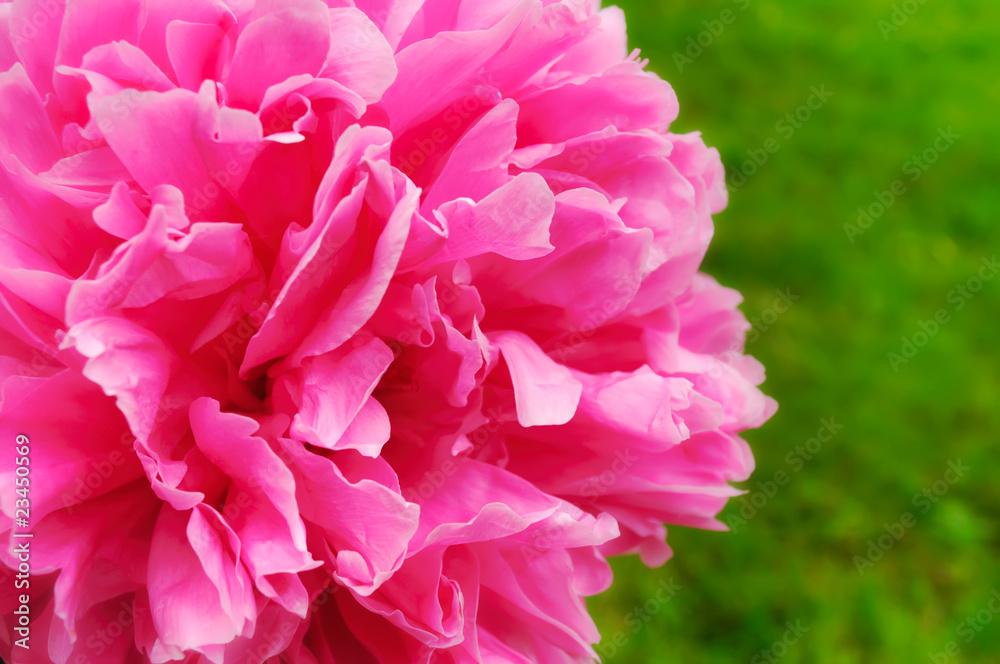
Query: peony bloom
[350,331]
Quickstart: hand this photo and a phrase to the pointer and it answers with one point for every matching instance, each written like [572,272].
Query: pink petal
[360,58]
[275,47]
[196,52]
[28,134]
[35,34]
[368,525]
[335,391]
[513,222]
[68,469]
[210,149]
[89,23]
[199,593]
[546,392]
[271,533]
[477,165]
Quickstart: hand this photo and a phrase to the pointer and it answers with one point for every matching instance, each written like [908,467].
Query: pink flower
[350,331]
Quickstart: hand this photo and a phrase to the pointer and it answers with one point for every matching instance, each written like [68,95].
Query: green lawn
[894,93]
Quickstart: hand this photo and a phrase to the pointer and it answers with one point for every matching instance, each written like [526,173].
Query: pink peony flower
[349,332]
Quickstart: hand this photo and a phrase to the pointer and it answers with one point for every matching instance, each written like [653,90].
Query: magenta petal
[161,262]
[200,138]
[360,58]
[119,215]
[623,96]
[546,392]
[62,467]
[367,524]
[89,23]
[272,533]
[351,330]
[276,47]
[8,56]
[335,391]
[362,296]
[196,52]
[100,548]
[391,17]
[36,45]
[331,276]
[118,352]
[199,592]
[161,13]
[431,71]
[513,222]
[126,65]
[29,136]
[28,275]
[478,164]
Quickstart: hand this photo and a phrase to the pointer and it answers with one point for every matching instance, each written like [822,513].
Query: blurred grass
[827,356]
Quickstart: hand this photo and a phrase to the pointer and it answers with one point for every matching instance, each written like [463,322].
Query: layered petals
[350,331]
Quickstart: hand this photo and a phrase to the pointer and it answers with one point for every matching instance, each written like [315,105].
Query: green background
[794,560]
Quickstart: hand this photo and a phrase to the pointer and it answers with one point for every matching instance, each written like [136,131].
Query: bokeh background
[792,582]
